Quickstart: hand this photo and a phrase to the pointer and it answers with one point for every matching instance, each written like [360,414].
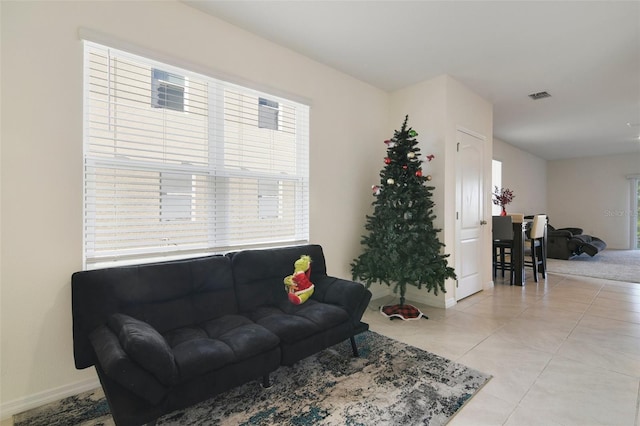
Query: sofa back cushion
[165,295]
[259,274]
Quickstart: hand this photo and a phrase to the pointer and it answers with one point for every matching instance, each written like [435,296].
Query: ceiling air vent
[539,95]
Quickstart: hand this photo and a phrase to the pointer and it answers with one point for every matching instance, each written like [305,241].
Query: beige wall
[437,108]
[424,104]
[526,175]
[469,112]
[41,179]
[42,159]
[594,194]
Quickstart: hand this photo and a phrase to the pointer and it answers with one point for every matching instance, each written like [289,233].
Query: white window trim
[215,170]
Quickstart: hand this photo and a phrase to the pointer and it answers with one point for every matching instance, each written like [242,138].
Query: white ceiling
[586,54]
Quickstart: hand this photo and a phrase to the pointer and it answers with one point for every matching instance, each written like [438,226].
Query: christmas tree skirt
[389,384]
[404,312]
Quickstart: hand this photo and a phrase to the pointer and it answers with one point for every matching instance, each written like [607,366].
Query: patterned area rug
[617,265]
[390,383]
[87,408]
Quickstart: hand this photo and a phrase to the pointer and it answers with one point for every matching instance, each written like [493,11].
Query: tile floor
[565,351]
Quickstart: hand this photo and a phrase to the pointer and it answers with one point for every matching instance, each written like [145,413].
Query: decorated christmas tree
[402,246]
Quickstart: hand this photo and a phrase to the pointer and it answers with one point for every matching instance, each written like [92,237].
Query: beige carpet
[617,265]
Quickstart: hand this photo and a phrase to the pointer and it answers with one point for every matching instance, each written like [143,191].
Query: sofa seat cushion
[216,343]
[292,323]
[197,356]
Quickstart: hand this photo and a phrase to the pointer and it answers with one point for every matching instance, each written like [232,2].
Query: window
[267,114]
[178,163]
[176,193]
[636,214]
[634,211]
[167,90]
[269,199]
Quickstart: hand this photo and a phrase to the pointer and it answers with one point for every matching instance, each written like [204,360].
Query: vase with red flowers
[502,197]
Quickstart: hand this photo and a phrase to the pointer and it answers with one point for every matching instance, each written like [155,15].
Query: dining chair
[502,230]
[537,250]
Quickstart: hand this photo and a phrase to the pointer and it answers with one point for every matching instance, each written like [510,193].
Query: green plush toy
[298,285]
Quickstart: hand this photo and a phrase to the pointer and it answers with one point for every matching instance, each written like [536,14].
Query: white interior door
[469,213]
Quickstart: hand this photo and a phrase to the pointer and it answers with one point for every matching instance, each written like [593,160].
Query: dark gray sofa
[164,336]
[565,243]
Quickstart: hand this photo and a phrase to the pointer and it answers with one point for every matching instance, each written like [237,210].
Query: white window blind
[178,163]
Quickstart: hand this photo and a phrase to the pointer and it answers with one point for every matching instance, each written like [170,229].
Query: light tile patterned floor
[565,351]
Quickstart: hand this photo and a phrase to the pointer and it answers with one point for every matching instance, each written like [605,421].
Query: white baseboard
[450,302]
[35,400]
[428,298]
[413,294]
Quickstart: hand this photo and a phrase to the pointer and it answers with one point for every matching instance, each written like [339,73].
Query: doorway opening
[496,181]
[635,213]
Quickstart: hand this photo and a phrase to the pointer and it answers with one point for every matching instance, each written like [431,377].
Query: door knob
[483,222]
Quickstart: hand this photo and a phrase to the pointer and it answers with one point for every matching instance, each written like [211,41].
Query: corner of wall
[428,298]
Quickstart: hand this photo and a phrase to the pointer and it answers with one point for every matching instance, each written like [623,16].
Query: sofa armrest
[574,231]
[350,295]
[117,365]
[145,346]
[560,233]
